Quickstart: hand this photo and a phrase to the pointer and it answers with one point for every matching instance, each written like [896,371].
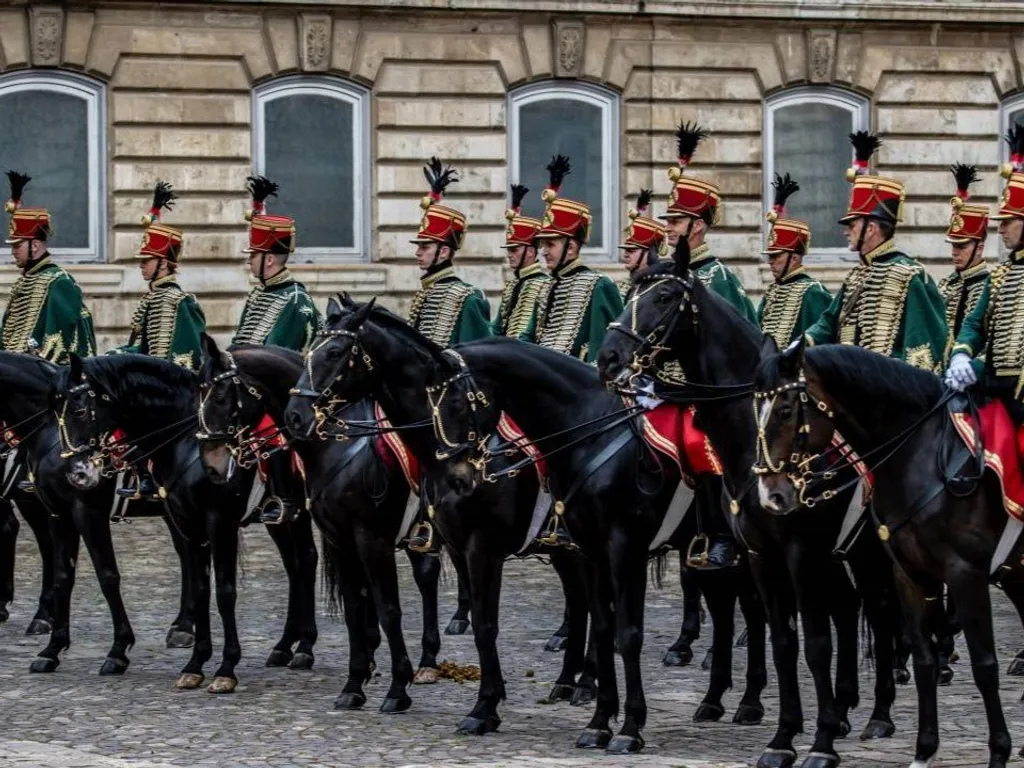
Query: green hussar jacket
[448,310]
[961,292]
[517,313]
[994,330]
[280,313]
[575,309]
[717,277]
[890,305]
[168,323]
[46,314]
[791,306]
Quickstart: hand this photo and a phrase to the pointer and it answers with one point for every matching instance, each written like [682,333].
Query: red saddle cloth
[1003,443]
[268,436]
[510,431]
[395,453]
[669,427]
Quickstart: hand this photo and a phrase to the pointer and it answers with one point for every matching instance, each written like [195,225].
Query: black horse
[937,531]
[395,364]
[36,517]
[357,499]
[793,556]
[153,402]
[612,491]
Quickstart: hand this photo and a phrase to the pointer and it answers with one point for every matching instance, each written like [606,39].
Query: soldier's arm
[971,339]
[475,319]
[187,339]
[605,308]
[295,325]
[924,323]
[56,328]
[816,301]
[824,329]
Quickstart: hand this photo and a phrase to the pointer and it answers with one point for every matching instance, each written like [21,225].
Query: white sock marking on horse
[763,496]
[923,763]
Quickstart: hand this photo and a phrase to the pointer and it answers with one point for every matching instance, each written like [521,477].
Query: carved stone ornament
[47,31]
[822,53]
[316,42]
[568,49]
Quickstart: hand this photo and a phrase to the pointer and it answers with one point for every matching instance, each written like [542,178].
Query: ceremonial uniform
[642,233]
[45,312]
[888,304]
[576,307]
[280,312]
[961,292]
[718,278]
[517,312]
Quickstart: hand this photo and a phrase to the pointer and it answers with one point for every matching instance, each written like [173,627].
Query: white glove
[648,401]
[960,374]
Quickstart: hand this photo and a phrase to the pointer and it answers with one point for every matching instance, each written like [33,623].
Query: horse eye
[785,412]
[219,396]
[334,355]
[664,298]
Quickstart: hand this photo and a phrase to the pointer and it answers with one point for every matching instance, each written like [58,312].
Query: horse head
[85,421]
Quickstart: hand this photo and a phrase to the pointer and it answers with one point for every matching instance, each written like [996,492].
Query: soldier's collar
[793,275]
[878,253]
[530,270]
[38,266]
[981,268]
[428,280]
[282,277]
[160,282]
[700,254]
[572,267]
[1017,257]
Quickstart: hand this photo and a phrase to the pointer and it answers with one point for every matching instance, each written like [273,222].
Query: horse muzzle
[83,473]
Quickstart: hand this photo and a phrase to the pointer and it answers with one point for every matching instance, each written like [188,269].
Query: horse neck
[139,408]
[24,394]
[274,377]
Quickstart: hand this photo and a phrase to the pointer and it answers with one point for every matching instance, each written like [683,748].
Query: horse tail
[658,567]
[867,639]
[330,571]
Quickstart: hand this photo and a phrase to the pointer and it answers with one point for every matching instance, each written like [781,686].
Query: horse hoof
[678,658]
[222,684]
[1016,668]
[114,666]
[189,681]
[301,661]
[561,692]
[708,713]
[625,745]
[44,664]
[820,760]
[279,658]
[556,643]
[708,661]
[594,738]
[844,728]
[392,706]
[741,641]
[954,657]
[777,758]
[877,729]
[902,676]
[349,700]
[582,695]
[748,714]
[474,726]
[4,614]
[180,638]
[39,627]
[945,677]
[457,627]
[426,676]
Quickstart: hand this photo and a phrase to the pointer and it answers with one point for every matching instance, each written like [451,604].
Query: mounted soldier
[644,244]
[795,300]
[888,304]
[167,323]
[578,304]
[45,313]
[446,309]
[517,313]
[278,311]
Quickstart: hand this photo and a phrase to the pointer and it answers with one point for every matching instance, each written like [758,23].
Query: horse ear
[334,311]
[792,360]
[363,312]
[347,301]
[210,354]
[768,347]
[75,365]
[681,256]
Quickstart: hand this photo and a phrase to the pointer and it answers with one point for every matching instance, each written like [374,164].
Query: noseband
[475,439]
[68,448]
[243,443]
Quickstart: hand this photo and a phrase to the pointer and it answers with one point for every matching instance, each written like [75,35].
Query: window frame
[359,98]
[93,93]
[1008,107]
[609,102]
[859,107]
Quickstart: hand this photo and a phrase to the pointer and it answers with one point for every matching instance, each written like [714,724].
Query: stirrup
[288,511]
[557,535]
[26,486]
[422,530]
[699,558]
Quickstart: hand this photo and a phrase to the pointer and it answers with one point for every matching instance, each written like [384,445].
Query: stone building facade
[344,100]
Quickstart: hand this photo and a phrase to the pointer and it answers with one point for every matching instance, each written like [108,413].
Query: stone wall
[179,108]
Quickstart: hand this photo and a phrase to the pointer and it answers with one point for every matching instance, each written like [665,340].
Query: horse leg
[573,587]
[460,620]
[94,526]
[281,655]
[560,636]
[484,571]
[356,607]
[719,588]
[1017,598]
[598,732]
[182,631]
[750,710]
[630,568]
[8,540]
[426,570]
[679,653]
[191,675]
[224,538]
[65,538]
[36,516]
[845,614]
[971,591]
[306,561]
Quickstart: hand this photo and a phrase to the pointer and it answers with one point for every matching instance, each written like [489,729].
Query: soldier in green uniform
[45,313]
[576,307]
[888,304]
[644,244]
[795,300]
[168,322]
[446,309]
[968,228]
[517,313]
[280,312]
[693,208]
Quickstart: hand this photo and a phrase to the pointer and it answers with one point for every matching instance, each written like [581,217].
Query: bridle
[475,439]
[68,448]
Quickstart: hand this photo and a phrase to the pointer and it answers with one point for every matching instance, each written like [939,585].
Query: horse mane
[400,327]
[276,368]
[35,371]
[152,382]
[576,372]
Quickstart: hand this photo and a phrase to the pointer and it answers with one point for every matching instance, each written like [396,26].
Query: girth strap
[597,462]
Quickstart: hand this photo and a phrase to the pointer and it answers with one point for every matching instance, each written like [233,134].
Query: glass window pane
[46,135]
[308,151]
[811,143]
[1017,118]
[563,127]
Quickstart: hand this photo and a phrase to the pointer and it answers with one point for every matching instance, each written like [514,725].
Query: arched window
[311,136]
[52,128]
[580,121]
[806,134]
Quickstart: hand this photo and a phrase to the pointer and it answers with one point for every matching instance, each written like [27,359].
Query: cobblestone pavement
[285,718]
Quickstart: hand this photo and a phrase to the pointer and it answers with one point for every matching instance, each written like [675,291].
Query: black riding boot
[140,485]
[286,491]
[714,546]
